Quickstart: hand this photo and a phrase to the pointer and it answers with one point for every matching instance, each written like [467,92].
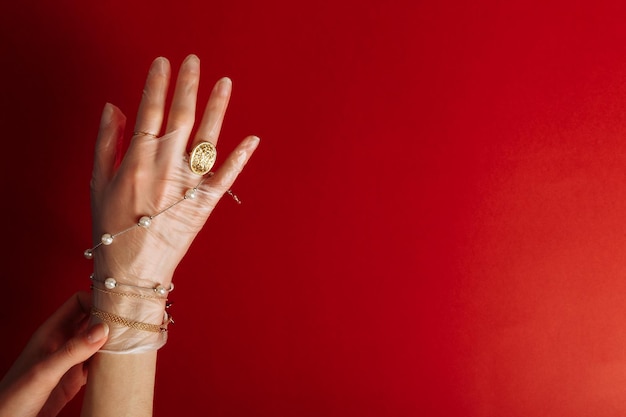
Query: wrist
[143,271]
[136,314]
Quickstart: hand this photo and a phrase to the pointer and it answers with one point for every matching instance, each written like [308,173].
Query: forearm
[108,394]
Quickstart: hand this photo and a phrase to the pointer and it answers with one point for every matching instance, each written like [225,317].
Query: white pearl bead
[190,194]
[145,221]
[160,290]
[110,283]
[88,254]
[107,239]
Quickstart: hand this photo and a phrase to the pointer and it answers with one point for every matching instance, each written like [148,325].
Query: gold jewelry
[111,283]
[126,294]
[137,325]
[144,221]
[202,158]
[144,133]
[234,196]
[229,191]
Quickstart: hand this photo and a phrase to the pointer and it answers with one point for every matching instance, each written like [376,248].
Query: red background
[432,225]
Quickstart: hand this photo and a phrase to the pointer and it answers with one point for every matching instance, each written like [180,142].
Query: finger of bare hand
[67,388]
[76,350]
[67,317]
[41,379]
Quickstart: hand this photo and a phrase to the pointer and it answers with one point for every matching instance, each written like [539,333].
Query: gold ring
[144,133]
[202,158]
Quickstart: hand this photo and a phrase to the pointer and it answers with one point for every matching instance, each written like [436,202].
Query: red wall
[433,224]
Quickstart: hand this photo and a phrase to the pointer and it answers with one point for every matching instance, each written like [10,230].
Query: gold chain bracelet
[126,294]
[113,318]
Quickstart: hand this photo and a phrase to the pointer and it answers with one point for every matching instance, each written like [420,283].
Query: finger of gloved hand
[108,146]
[227,173]
[213,117]
[182,112]
[152,106]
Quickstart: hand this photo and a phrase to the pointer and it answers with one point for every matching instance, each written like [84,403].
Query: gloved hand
[154,173]
[151,178]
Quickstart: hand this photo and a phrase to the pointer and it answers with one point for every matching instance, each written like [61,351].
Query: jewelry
[234,196]
[137,325]
[111,283]
[144,221]
[127,294]
[229,191]
[144,133]
[202,158]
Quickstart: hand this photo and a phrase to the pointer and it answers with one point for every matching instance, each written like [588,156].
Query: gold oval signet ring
[202,158]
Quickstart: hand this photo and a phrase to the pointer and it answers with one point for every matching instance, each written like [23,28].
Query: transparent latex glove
[154,173]
[52,367]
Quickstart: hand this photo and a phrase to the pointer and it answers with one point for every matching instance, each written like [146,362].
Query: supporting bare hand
[51,369]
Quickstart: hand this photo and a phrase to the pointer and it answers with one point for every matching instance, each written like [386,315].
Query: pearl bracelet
[111,283]
[126,294]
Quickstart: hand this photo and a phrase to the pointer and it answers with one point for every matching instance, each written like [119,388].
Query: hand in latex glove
[51,370]
[154,173]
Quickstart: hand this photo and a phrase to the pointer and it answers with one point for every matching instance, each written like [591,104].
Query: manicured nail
[97,332]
